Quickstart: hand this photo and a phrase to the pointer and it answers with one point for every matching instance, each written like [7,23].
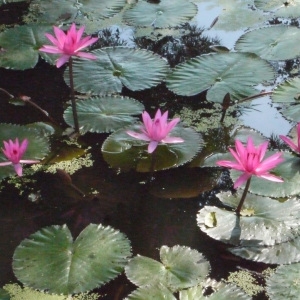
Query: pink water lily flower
[68,44]
[14,153]
[156,131]
[250,161]
[290,143]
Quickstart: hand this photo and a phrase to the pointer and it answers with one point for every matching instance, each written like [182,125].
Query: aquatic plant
[157,130]
[14,152]
[290,143]
[250,161]
[67,45]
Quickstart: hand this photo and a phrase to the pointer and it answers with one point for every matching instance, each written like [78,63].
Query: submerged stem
[238,209]
[74,110]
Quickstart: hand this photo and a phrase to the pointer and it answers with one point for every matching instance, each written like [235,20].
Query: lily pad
[118,66]
[38,145]
[287,92]
[288,170]
[20,46]
[223,293]
[284,283]
[51,11]
[161,14]
[263,221]
[95,9]
[220,73]
[123,151]
[284,253]
[181,268]
[49,259]
[4,295]
[275,42]
[104,114]
[151,292]
[281,8]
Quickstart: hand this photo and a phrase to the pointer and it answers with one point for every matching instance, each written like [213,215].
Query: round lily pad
[104,114]
[20,46]
[164,13]
[220,73]
[284,283]
[157,291]
[50,260]
[275,42]
[123,151]
[283,253]
[180,267]
[117,66]
[263,221]
[281,8]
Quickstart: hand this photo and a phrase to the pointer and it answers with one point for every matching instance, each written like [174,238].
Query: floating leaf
[284,253]
[51,11]
[271,43]
[123,151]
[20,46]
[49,259]
[284,276]
[115,67]
[157,291]
[282,8]
[164,13]
[289,170]
[292,112]
[95,9]
[181,268]
[223,293]
[263,221]
[104,114]
[38,145]
[4,295]
[287,92]
[220,73]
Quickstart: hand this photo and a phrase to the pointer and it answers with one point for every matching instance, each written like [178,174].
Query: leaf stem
[238,209]
[74,110]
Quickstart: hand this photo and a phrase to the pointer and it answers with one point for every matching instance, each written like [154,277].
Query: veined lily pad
[289,170]
[287,92]
[118,66]
[38,145]
[220,73]
[263,221]
[284,283]
[149,292]
[20,46]
[284,253]
[282,8]
[271,43]
[49,259]
[104,114]
[224,293]
[181,268]
[165,13]
[51,11]
[123,151]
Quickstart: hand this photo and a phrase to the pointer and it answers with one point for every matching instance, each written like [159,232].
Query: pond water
[151,209]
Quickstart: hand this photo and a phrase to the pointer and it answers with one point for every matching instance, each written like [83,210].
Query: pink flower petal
[152,146]
[271,177]
[62,60]
[243,178]
[172,140]
[140,136]
[18,169]
[289,142]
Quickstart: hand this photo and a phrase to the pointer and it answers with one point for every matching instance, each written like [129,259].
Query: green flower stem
[74,110]
[238,209]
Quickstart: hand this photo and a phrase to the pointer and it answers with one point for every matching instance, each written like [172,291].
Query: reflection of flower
[14,152]
[68,44]
[156,131]
[249,160]
[289,142]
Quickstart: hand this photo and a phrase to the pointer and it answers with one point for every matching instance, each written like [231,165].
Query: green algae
[16,292]
[246,282]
